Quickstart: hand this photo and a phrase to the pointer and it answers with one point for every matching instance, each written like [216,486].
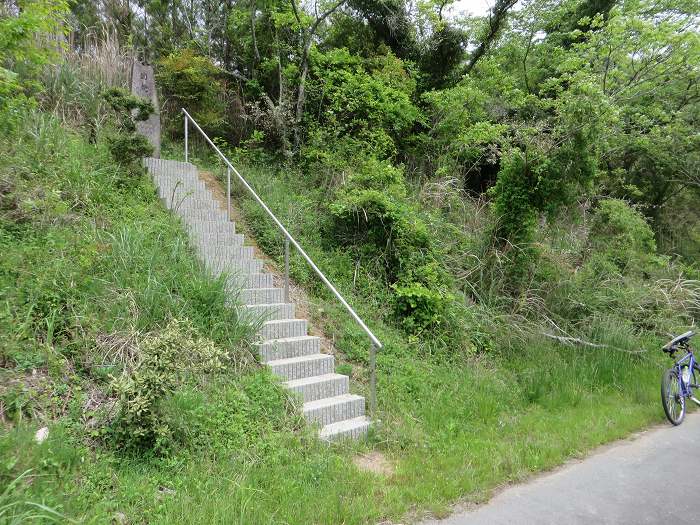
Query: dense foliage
[557,103]
[559,115]
[509,200]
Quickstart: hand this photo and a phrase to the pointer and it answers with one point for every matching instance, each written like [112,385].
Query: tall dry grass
[86,68]
[100,56]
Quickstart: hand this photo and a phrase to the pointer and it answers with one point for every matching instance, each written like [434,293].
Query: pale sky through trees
[473,7]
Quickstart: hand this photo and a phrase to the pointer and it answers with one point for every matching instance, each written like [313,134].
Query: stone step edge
[330,430]
[293,383]
[300,359]
[330,401]
[288,339]
[341,427]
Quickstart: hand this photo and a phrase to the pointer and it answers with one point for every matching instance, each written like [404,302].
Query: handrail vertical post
[373,379]
[186,139]
[286,270]
[228,192]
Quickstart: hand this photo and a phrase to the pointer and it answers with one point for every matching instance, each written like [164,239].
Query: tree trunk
[301,95]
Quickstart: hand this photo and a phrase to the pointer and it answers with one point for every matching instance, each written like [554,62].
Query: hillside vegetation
[509,201]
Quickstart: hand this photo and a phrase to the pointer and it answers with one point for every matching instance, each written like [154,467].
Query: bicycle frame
[692,364]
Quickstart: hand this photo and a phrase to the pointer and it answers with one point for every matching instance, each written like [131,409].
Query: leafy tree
[391,24]
[26,31]
[494,24]
[369,100]
[532,109]
[647,64]
[192,82]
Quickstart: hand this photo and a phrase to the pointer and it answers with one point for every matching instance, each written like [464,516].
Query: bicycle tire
[671,397]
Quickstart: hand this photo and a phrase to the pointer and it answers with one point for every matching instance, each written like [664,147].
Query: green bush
[621,237]
[13,103]
[126,145]
[513,198]
[164,360]
[371,210]
[418,307]
[369,100]
[372,213]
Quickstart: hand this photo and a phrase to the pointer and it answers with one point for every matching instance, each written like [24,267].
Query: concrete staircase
[284,345]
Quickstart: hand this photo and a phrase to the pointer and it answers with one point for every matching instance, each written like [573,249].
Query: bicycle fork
[687,386]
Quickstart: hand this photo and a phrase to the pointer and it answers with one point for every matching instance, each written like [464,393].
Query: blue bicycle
[678,381]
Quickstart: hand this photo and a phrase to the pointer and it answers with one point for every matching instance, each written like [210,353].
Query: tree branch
[495,22]
[253,9]
[304,66]
[296,12]
[325,15]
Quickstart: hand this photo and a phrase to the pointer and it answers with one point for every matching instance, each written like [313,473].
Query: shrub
[23,42]
[372,212]
[165,360]
[369,100]
[125,144]
[419,307]
[622,239]
[513,196]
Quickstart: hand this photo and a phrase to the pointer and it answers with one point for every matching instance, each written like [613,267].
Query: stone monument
[143,85]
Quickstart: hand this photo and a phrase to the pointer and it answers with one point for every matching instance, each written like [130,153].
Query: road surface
[651,479]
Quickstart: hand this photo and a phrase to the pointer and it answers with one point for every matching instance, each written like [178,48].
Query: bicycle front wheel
[672,396]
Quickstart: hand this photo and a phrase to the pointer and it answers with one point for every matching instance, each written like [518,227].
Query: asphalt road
[653,478]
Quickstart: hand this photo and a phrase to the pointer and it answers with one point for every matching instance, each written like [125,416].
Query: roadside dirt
[374,462]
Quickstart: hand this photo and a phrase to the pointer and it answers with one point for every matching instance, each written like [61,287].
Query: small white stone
[41,435]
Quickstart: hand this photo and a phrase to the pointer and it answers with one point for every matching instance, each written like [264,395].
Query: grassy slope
[457,427]
[103,256]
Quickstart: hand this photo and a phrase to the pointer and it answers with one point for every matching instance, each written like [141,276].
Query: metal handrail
[376,344]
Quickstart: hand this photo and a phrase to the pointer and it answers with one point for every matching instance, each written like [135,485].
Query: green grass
[455,427]
[92,252]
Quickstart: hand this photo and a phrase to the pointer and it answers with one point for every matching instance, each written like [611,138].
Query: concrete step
[303,366]
[269,312]
[183,192]
[288,347]
[333,409]
[349,429]
[221,253]
[171,179]
[181,188]
[319,387]
[170,184]
[227,238]
[235,283]
[158,165]
[201,215]
[233,266]
[210,227]
[262,295]
[175,198]
[284,328]
[202,204]
[169,176]
[186,203]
